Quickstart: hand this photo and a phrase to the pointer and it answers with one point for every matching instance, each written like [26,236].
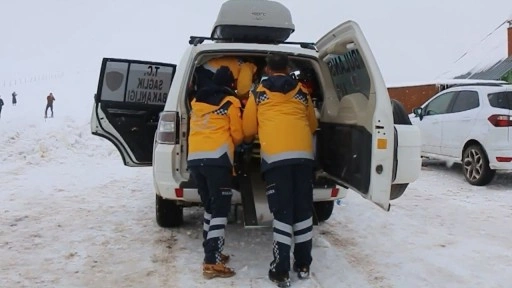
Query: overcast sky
[411,40]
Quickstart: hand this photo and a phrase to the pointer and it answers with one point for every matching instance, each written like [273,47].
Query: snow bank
[51,140]
[26,137]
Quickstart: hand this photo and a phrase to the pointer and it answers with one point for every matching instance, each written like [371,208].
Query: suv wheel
[168,213]
[323,210]
[475,165]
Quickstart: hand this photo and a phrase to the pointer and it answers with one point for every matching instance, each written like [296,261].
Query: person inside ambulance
[309,82]
[282,114]
[215,129]
[243,72]
[307,79]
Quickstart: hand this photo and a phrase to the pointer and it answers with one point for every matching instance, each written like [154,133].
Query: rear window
[501,100]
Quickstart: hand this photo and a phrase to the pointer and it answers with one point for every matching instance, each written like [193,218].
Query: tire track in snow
[251,253]
[356,256]
[101,234]
[151,251]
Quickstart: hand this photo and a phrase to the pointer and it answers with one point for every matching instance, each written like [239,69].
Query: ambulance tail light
[334,192]
[167,131]
[179,192]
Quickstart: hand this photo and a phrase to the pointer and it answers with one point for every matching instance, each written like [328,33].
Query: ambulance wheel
[323,210]
[402,118]
[168,213]
[397,190]
[399,115]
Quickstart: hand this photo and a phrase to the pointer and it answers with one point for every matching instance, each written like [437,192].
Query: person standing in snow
[280,111]
[49,104]
[215,130]
[1,105]
[14,98]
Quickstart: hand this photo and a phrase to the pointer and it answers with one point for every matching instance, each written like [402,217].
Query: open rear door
[131,94]
[356,134]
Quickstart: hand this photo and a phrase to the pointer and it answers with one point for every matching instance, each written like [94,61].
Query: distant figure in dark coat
[14,98]
[1,105]
[49,104]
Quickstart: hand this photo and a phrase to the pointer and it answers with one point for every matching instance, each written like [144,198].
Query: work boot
[224,258]
[302,272]
[282,279]
[217,270]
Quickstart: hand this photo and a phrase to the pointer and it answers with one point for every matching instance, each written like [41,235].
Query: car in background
[471,125]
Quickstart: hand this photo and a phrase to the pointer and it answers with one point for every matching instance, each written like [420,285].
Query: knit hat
[277,61]
[224,77]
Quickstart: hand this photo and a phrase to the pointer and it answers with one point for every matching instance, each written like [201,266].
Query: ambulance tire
[402,118]
[168,213]
[323,210]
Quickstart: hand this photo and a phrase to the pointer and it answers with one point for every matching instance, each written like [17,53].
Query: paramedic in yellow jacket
[243,73]
[282,114]
[215,129]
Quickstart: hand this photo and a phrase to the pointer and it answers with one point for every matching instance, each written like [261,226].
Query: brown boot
[224,258]
[217,270]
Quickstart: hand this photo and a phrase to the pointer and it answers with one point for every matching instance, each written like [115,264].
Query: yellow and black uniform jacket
[242,71]
[215,127]
[282,114]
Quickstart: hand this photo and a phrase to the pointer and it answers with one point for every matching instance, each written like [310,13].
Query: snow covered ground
[71,215]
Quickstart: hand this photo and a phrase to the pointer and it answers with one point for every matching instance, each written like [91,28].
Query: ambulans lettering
[349,73]
[147,84]
[347,63]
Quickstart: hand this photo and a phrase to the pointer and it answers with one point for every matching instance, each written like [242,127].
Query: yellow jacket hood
[281,113]
[280,83]
[210,98]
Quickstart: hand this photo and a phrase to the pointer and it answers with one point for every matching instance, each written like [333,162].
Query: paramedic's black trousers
[213,184]
[290,199]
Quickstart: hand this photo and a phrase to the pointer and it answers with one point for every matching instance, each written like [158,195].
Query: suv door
[130,96]
[356,136]
[433,115]
[458,122]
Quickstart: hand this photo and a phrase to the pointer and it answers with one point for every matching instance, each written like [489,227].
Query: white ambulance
[143,108]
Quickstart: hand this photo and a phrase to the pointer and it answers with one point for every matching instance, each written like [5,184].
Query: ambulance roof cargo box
[253,21]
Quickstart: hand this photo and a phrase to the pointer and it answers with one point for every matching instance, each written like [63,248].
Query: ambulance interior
[334,144]
[341,90]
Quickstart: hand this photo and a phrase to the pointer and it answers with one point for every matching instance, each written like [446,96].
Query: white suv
[469,124]
[358,145]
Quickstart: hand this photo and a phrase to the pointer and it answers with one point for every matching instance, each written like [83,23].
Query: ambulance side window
[349,73]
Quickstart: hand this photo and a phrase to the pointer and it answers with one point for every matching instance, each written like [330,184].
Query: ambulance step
[248,206]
